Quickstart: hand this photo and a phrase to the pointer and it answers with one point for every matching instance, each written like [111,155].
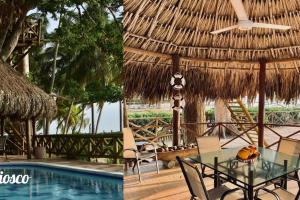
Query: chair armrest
[229,192]
[266,190]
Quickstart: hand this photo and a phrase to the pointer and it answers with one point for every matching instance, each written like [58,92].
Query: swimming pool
[58,183]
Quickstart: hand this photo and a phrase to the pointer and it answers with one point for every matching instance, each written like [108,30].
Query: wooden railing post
[28,138]
[33,133]
[261,103]
[176,113]
[125,114]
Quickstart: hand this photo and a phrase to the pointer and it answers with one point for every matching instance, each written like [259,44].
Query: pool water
[48,183]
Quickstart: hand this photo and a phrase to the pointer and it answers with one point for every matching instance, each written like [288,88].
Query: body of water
[109,121]
[47,183]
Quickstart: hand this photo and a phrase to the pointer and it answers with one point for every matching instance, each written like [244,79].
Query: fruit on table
[253,149]
[249,152]
[244,154]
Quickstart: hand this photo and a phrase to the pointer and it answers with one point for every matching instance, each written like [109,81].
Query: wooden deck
[170,183]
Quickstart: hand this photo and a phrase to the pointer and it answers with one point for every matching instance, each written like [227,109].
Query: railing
[152,129]
[31,32]
[218,128]
[83,145]
[159,129]
[286,131]
[282,117]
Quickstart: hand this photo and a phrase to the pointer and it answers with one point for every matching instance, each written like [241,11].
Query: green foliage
[98,93]
[90,54]
[143,118]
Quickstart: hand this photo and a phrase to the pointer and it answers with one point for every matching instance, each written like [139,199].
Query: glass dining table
[271,165]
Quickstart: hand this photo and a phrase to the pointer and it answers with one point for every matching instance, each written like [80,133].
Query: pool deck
[114,168]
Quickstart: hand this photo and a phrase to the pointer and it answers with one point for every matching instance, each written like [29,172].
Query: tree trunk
[59,125]
[82,118]
[5,23]
[194,112]
[222,114]
[93,118]
[68,118]
[100,104]
[17,11]
[13,39]
[53,75]
[23,66]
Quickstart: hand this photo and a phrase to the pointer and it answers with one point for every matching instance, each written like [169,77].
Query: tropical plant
[80,61]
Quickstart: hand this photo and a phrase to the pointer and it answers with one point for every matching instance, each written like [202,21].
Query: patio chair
[131,151]
[207,144]
[291,147]
[197,187]
[3,140]
[277,194]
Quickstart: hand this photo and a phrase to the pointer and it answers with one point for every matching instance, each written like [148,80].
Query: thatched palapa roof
[19,99]
[224,65]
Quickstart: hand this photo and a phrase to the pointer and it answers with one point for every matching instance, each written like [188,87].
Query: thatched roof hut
[20,99]
[225,65]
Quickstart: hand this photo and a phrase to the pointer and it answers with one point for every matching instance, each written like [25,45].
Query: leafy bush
[142,118]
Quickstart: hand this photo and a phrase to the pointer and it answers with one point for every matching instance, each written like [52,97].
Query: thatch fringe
[19,99]
[152,82]
[215,66]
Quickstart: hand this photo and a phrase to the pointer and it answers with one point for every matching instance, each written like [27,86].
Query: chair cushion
[208,144]
[283,194]
[129,143]
[216,193]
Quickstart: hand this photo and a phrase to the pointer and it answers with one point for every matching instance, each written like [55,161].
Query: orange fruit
[244,154]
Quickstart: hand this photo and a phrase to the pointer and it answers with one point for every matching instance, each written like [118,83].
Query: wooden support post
[125,114]
[47,126]
[2,126]
[176,114]
[33,133]
[28,138]
[261,103]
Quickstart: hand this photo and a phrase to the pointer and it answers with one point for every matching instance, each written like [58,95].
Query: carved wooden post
[261,103]
[176,113]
